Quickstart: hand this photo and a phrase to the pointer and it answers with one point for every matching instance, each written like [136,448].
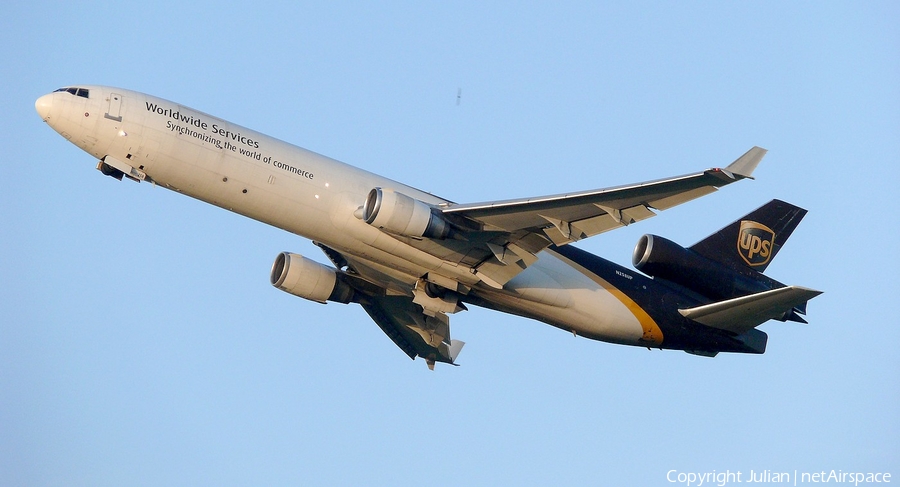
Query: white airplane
[411,258]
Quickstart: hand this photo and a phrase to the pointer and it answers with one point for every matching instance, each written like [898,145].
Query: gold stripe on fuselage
[652,334]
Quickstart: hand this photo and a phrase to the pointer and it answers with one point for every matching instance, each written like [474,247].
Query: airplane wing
[414,332]
[397,314]
[513,231]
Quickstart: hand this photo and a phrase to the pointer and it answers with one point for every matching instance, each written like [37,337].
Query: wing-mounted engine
[403,215]
[308,279]
[495,256]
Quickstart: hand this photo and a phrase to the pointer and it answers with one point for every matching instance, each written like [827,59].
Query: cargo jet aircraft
[411,259]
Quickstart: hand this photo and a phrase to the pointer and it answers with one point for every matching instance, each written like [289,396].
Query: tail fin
[753,240]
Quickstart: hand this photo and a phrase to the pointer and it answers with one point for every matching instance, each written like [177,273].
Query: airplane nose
[43,105]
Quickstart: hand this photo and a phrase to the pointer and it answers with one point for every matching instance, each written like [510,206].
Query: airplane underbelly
[558,294]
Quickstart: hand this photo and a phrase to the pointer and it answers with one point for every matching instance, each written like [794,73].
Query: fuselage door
[115,106]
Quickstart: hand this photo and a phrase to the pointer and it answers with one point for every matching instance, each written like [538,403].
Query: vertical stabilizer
[753,240]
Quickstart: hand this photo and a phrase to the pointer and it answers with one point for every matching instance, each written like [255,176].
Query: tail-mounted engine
[400,214]
[664,259]
[309,279]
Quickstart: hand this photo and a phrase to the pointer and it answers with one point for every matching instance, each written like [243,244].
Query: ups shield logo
[755,243]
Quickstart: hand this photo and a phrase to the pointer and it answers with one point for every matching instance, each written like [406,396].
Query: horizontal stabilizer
[741,314]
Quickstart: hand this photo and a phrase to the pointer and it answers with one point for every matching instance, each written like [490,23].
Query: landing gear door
[115,107]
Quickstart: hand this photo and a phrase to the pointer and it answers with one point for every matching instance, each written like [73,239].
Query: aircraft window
[82,92]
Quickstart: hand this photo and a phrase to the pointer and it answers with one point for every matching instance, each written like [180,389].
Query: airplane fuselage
[319,198]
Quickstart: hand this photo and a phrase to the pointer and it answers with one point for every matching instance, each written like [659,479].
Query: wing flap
[741,314]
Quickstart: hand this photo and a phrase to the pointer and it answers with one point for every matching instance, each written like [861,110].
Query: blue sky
[141,344]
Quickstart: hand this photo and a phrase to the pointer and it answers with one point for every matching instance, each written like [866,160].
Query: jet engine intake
[664,259]
[400,214]
[309,279]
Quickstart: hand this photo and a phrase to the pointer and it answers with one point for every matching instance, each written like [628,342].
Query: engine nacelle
[309,279]
[400,214]
[660,257]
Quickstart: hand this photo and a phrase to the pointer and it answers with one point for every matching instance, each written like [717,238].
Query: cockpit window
[82,92]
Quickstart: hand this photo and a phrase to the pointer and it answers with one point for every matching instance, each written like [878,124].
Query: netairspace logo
[721,479]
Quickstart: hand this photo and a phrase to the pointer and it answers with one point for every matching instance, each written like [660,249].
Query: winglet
[455,347]
[746,164]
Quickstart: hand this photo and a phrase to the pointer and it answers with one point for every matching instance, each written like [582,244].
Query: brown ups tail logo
[755,243]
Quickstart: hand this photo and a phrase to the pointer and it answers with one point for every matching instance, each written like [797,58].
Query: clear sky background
[141,343]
